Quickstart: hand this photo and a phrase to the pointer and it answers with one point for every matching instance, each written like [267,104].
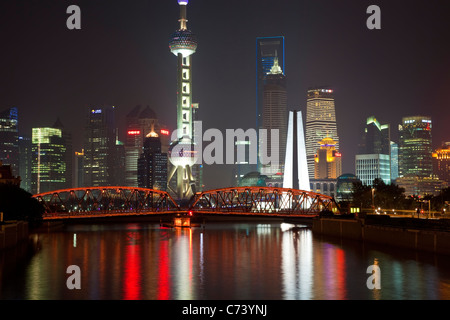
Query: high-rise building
[375,138]
[139,122]
[327,162]
[68,153]
[243,165]
[99,147]
[152,164]
[320,122]
[25,156]
[267,48]
[373,166]
[295,167]
[79,170]
[373,159]
[274,117]
[415,147]
[48,166]
[394,161]
[183,44]
[441,162]
[9,139]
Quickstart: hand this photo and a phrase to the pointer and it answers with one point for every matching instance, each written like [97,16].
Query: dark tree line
[391,196]
[18,204]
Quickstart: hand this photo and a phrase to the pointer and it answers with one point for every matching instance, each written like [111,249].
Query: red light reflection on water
[163,271]
[132,277]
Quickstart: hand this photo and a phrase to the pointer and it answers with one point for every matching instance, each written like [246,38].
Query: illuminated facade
[267,49]
[139,122]
[327,161]
[372,166]
[183,44]
[25,156]
[9,144]
[421,186]
[295,167]
[320,122]
[373,160]
[394,161]
[274,117]
[152,164]
[48,166]
[99,146]
[441,162]
[415,147]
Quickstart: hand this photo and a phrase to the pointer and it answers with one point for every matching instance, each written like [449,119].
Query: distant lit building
[415,147]
[25,156]
[421,186]
[327,160]
[68,153]
[373,160]
[274,117]
[267,49]
[79,170]
[99,146]
[320,122]
[152,164]
[253,179]
[9,139]
[441,162]
[373,166]
[242,165]
[394,161]
[324,186]
[48,166]
[344,187]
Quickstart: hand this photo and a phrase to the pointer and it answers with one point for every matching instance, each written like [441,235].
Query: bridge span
[116,201]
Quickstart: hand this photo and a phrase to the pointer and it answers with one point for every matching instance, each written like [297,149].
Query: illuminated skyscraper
[296,168]
[68,154]
[152,164]
[9,136]
[415,147]
[374,155]
[140,122]
[183,44]
[274,117]
[48,166]
[320,122]
[25,156]
[267,48]
[99,146]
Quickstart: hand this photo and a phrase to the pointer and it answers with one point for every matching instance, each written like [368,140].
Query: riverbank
[413,233]
[12,233]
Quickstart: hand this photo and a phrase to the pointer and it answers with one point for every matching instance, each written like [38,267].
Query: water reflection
[223,261]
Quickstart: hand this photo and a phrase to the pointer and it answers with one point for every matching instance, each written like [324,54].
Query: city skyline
[119,58]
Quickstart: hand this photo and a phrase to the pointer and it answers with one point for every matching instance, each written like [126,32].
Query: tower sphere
[182,153]
[184,42]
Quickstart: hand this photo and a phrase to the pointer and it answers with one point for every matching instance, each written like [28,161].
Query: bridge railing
[268,200]
[105,200]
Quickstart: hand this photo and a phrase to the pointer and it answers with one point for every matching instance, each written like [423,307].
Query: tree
[18,204]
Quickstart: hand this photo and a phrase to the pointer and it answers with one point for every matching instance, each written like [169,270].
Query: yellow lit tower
[183,44]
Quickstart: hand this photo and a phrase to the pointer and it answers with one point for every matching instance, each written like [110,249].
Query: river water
[257,261]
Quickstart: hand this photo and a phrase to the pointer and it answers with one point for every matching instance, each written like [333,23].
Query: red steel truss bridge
[131,201]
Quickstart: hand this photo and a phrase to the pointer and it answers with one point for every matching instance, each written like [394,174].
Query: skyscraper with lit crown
[320,122]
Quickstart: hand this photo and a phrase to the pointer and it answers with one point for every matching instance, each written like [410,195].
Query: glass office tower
[9,139]
[415,148]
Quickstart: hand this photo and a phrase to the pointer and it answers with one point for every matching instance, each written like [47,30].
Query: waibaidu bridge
[97,202]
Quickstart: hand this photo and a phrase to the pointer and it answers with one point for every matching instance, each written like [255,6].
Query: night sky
[121,57]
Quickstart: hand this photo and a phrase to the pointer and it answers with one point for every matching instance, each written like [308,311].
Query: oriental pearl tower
[183,44]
